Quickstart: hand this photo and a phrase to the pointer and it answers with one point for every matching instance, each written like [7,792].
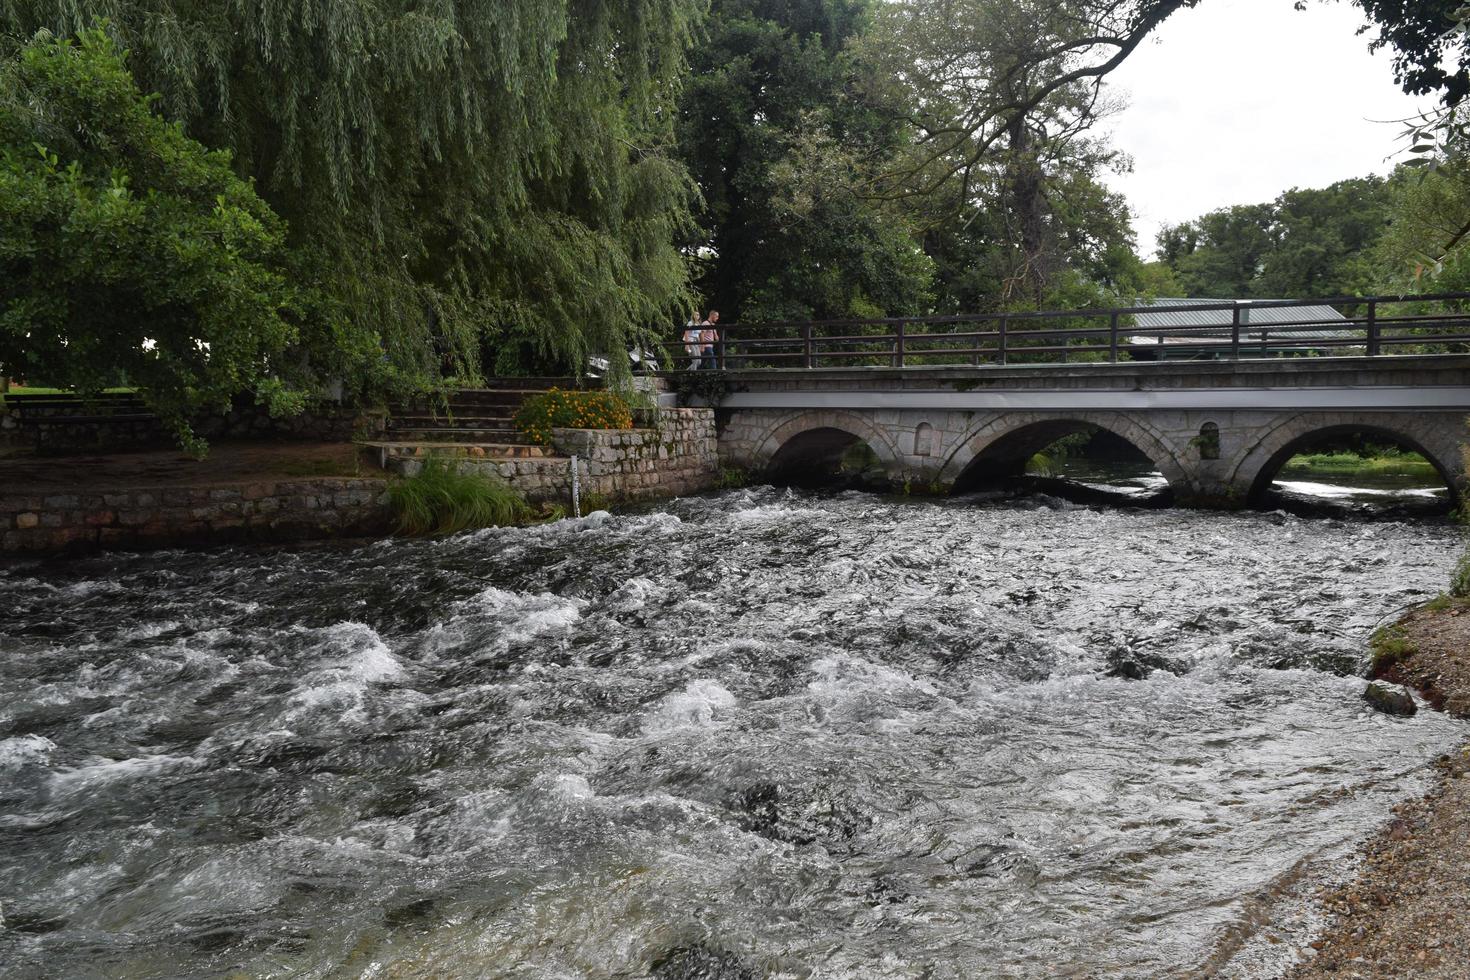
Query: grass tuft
[1389,645]
[1460,578]
[441,500]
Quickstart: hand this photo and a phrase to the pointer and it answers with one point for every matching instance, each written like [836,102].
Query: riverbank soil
[1438,637]
[227,463]
[1407,913]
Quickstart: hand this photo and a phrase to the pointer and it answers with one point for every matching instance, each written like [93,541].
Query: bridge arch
[816,438]
[1258,463]
[1017,436]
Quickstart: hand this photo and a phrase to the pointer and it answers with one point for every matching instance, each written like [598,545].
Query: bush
[441,500]
[130,251]
[562,409]
[1460,580]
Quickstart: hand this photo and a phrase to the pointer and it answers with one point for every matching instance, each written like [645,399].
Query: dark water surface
[754,734]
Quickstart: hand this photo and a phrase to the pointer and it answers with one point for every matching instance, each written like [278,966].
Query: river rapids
[753,734]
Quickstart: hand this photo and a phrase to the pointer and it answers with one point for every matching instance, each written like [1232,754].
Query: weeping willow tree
[475,182]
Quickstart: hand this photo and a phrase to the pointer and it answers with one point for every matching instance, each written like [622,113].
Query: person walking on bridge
[693,335]
[709,337]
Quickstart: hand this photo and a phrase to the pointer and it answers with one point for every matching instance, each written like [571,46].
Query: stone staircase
[472,422]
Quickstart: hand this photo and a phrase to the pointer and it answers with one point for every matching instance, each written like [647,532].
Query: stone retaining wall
[81,429]
[675,454]
[56,521]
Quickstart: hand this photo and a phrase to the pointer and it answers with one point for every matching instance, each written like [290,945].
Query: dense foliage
[475,186]
[130,253]
[1431,56]
[480,183]
[866,159]
[562,409]
[1307,243]
[776,134]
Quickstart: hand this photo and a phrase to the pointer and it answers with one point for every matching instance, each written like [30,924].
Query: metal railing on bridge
[1240,330]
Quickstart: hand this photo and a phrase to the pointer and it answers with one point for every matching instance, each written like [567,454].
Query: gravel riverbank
[1407,912]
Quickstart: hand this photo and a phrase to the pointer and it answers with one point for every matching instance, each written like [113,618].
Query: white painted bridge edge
[1379,398]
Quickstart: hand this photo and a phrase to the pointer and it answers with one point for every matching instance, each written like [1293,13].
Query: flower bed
[563,409]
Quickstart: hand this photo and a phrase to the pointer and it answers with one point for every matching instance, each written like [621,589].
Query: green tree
[1219,255]
[1424,248]
[1001,97]
[478,181]
[778,140]
[1307,243]
[1431,48]
[130,252]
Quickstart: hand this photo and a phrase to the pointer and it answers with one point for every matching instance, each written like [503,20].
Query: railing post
[806,336]
[898,346]
[1001,351]
[1113,338]
[1235,333]
[1373,328]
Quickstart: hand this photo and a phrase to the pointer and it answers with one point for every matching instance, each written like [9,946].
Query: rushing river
[756,734]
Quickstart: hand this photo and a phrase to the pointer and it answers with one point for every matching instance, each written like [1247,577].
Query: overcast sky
[1238,100]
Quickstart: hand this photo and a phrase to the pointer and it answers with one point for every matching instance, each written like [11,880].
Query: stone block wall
[321,422]
[674,454]
[60,435]
[78,521]
[68,429]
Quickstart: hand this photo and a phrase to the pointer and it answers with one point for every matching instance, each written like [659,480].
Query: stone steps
[480,420]
[466,423]
[479,435]
[386,452]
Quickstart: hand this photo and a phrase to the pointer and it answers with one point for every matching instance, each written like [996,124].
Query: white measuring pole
[576,491]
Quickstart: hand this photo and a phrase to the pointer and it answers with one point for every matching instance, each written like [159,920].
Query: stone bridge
[1217,430]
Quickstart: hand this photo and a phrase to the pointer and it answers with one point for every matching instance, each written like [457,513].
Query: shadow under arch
[808,449]
[1002,448]
[1269,456]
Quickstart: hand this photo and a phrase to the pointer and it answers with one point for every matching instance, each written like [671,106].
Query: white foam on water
[761,514]
[25,750]
[567,787]
[345,682]
[699,705]
[523,615]
[100,773]
[631,596]
[1337,491]
[92,587]
[840,677]
[148,631]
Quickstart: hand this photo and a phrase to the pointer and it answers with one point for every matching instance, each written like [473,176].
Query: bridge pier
[1218,431]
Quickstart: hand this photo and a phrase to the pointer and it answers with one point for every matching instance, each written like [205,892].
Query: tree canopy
[478,182]
[1429,42]
[475,186]
[777,136]
[1307,243]
[131,253]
